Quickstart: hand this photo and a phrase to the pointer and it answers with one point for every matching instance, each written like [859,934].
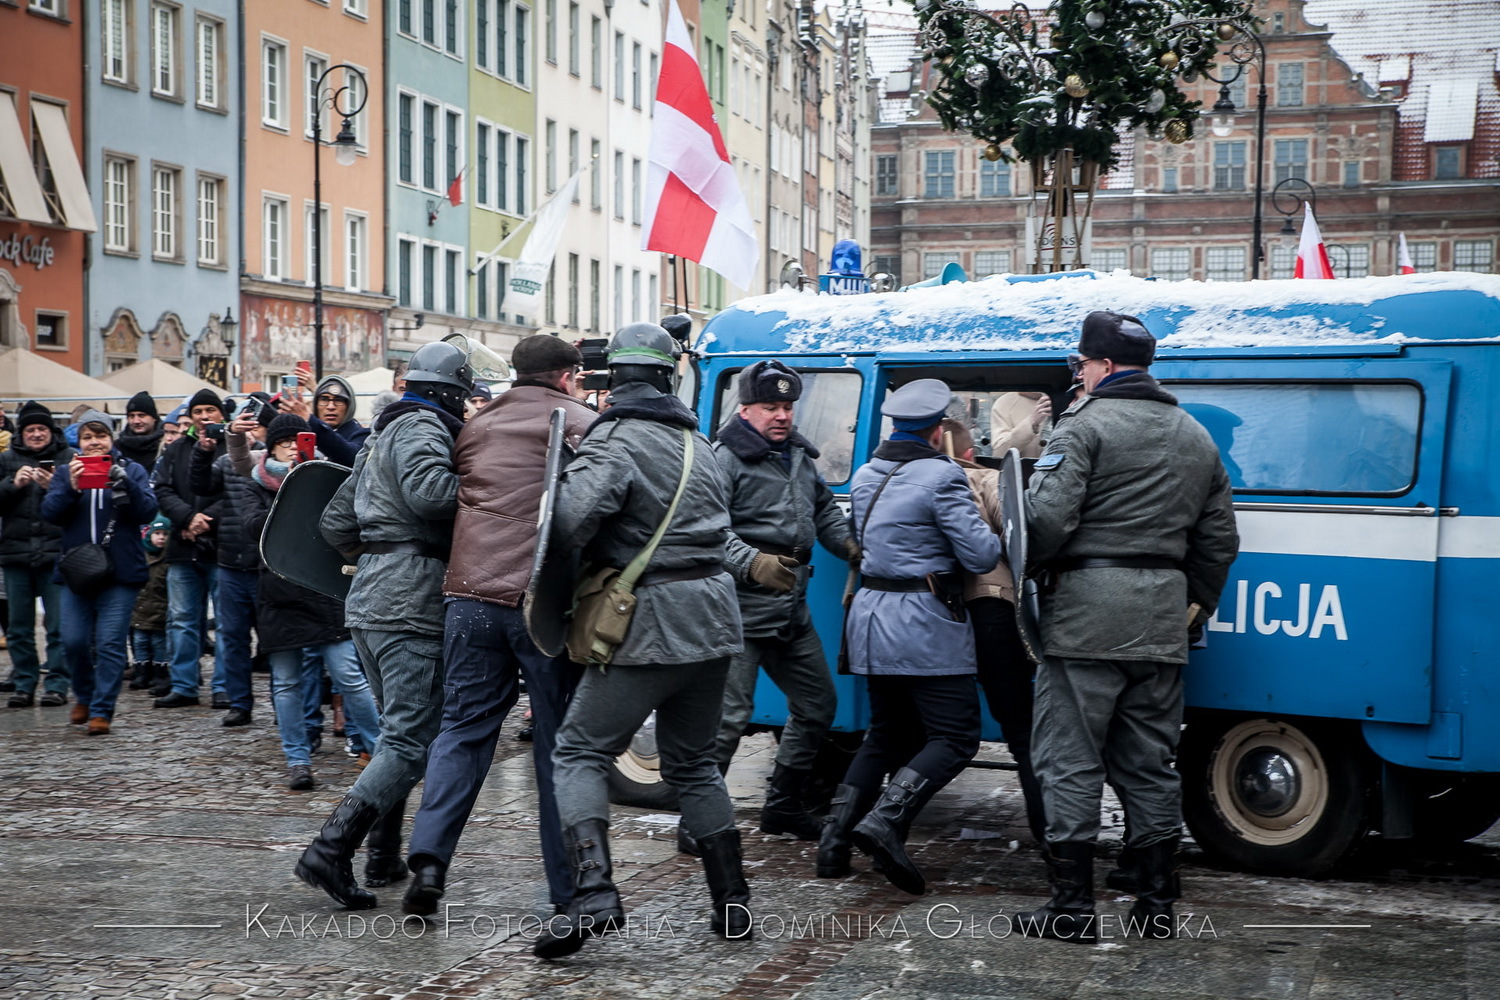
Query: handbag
[604,601]
[87,569]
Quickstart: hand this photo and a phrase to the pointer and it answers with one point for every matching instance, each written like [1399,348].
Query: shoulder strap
[637,565]
[865,521]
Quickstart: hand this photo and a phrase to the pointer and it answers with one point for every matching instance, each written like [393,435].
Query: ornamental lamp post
[345,151]
[1298,192]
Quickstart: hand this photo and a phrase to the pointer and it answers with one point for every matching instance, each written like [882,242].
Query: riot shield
[1013,509]
[291,543]
[549,595]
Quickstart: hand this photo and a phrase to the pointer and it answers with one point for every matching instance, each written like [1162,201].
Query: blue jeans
[485,647]
[188,587]
[289,671]
[405,671]
[312,689]
[23,585]
[234,610]
[149,645]
[98,633]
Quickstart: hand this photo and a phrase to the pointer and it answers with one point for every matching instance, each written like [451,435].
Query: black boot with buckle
[596,906]
[326,864]
[849,805]
[726,884]
[1069,914]
[784,811]
[383,861]
[1157,889]
[882,833]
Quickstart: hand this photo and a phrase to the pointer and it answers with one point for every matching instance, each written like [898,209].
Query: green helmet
[644,344]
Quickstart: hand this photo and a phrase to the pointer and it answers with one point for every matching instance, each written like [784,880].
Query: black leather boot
[1156,869]
[686,844]
[326,862]
[849,805]
[427,881]
[726,885]
[784,811]
[882,833]
[383,861]
[161,684]
[596,906]
[1126,875]
[1069,914]
[144,671]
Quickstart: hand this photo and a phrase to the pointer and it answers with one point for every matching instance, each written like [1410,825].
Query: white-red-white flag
[1403,256]
[694,205]
[1312,256]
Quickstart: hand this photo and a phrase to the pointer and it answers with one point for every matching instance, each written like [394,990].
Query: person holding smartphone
[29,545]
[331,416]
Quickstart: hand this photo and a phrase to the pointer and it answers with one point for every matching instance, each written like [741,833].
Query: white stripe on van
[1360,536]
[1469,537]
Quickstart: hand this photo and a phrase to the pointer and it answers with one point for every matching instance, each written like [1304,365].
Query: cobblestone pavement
[174,821]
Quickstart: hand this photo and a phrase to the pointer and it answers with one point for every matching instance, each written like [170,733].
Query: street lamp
[228,327]
[1297,192]
[345,149]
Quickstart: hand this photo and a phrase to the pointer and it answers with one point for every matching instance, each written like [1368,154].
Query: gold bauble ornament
[1169,60]
[992,152]
[1176,131]
[1227,31]
[1074,86]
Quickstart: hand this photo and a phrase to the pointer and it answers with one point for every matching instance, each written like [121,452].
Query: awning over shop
[162,382]
[16,172]
[26,375]
[67,175]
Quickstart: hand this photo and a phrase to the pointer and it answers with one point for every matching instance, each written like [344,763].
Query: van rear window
[826,415]
[1311,438]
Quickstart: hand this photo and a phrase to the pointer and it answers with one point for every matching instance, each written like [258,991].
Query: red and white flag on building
[1403,256]
[1312,256]
[694,206]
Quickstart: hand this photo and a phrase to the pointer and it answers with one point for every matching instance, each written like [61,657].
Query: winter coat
[150,612]
[612,497]
[287,616]
[340,442]
[173,483]
[501,457]
[1128,473]
[26,538]
[925,521]
[214,480]
[84,517]
[403,489]
[1010,426]
[142,449]
[998,582]
[776,507]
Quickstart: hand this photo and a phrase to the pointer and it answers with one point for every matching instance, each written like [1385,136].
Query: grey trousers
[606,711]
[798,667]
[1115,721]
[405,670]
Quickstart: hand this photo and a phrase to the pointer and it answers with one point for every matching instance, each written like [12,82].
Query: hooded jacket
[340,442]
[84,517]
[26,538]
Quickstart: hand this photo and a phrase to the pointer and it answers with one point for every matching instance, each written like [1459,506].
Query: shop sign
[27,250]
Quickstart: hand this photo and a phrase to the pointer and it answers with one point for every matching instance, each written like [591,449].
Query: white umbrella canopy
[367,385]
[27,375]
[163,382]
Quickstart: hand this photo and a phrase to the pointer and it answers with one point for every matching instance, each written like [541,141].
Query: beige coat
[1010,425]
[985,485]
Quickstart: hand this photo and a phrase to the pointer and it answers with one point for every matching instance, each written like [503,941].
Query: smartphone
[47,464]
[251,408]
[307,446]
[289,387]
[95,472]
[214,431]
[304,369]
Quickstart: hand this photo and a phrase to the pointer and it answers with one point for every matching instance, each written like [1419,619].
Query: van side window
[1311,438]
[826,415]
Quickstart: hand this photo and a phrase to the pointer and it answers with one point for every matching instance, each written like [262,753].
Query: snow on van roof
[1024,312]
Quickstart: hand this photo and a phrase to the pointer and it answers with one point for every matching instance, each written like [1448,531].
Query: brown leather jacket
[998,582]
[501,456]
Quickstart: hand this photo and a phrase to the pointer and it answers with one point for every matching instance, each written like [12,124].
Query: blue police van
[1350,680]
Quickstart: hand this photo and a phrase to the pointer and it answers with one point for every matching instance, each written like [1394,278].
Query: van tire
[635,778]
[1453,808]
[1277,796]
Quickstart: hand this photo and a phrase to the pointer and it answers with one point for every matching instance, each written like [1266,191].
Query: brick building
[1391,113]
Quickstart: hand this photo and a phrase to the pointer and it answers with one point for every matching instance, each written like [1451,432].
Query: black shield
[1013,509]
[291,543]
[549,594]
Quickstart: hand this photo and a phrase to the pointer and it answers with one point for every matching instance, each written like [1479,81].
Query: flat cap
[921,403]
[542,352]
[1120,338]
[769,382]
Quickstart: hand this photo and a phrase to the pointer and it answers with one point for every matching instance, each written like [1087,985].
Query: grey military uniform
[1127,475]
[778,506]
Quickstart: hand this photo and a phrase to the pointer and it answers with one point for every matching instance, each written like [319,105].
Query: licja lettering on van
[1264,610]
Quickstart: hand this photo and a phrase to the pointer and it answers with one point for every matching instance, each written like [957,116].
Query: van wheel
[1453,808]
[1276,796]
[635,779]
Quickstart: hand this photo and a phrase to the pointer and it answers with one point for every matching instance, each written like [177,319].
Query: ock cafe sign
[27,250]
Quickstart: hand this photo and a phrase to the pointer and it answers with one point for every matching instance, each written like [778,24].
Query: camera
[251,408]
[595,351]
[214,432]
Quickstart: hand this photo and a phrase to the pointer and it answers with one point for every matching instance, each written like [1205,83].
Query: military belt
[906,585]
[1071,563]
[405,549]
[700,572]
[801,553]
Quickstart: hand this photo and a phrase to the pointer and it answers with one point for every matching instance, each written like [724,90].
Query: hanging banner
[529,275]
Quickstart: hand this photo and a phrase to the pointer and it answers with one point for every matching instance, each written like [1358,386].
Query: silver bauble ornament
[977,75]
[1094,19]
[1156,101]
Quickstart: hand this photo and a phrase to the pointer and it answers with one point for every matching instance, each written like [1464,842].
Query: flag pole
[526,221]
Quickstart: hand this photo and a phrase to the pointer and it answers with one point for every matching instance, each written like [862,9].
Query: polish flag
[1312,257]
[456,189]
[1403,256]
[694,206]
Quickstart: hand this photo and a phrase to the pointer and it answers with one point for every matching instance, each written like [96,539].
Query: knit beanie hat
[205,397]
[142,402]
[286,425]
[32,412]
[161,523]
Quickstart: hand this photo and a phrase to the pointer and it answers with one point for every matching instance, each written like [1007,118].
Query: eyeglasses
[1077,361]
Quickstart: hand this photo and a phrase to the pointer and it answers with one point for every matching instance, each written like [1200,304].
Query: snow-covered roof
[1451,105]
[1010,312]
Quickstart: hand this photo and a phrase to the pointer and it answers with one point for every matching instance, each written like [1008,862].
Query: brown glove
[852,551]
[776,572]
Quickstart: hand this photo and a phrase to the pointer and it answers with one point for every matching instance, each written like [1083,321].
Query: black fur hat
[769,382]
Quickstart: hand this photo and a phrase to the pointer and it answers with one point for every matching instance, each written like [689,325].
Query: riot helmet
[440,372]
[644,352]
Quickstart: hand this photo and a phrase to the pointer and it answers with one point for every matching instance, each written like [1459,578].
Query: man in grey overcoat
[907,633]
[612,497]
[1129,511]
[778,507]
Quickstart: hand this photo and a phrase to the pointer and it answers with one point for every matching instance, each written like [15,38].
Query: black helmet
[442,363]
[642,344]
[679,326]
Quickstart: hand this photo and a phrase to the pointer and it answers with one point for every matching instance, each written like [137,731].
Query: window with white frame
[635,75]
[502,37]
[404,18]
[273,238]
[406,109]
[596,177]
[549,30]
[521,32]
[273,96]
[429,276]
[522,158]
[482,279]
[354,251]
[619,185]
[651,79]
[573,149]
[429,145]
[1473,255]
[1224,264]
[596,277]
[620,66]
[1112,259]
[635,294]
[573,296]
[1283,261]
[405,251]
[164,50]
[619,296]
[575,41]
[635,191]
[652,299]
[429,22]
[482,34]
[356,7]
[1289,84]
[1423,256]
[210,221]
[994,178]
[988,262]
[314,67]
[119,205]
[454,148]
[451,34]
[938,176]
[482,146]
[502,170]
[210,68]
[596,53]
[1291,159]
[356,96]
[549,163]
[1172,263]
[1356,260]
[452,282]
[933,263]
[115,22]
[47,6]
[166,187]
[316,234]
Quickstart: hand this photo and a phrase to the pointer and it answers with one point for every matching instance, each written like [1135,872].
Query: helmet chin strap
[449,397]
